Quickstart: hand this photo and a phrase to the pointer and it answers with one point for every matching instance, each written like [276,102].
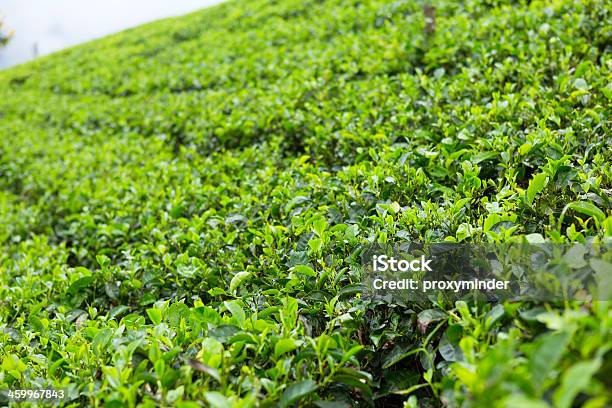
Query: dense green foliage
[182,205]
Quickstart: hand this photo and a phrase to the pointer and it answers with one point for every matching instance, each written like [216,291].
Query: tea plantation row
[183,205]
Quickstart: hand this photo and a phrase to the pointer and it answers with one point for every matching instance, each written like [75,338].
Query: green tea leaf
[547,352]
[297,392]
[575,380]
[216,399]
[155,315]
[238,279]
[305,270]
[536,185]
[284,346]
[429,316]
[236,311]
[587,208]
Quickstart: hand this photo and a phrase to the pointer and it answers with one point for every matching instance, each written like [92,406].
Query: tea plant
[183,205]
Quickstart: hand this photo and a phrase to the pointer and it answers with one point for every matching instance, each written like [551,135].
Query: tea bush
[182,205]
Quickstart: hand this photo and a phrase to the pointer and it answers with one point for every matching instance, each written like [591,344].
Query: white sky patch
[51,25]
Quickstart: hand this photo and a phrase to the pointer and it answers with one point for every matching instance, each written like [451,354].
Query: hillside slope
[181,204]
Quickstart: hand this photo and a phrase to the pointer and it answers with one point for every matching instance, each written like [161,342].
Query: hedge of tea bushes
[183,205]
